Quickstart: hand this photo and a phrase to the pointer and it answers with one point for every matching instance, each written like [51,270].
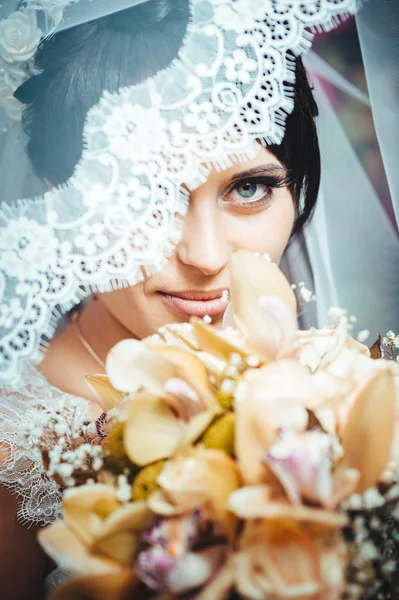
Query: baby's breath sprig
[373,541]
[390,346]
[66,441]
[304,296]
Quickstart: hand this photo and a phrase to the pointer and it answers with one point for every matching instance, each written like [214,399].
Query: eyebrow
[261,170]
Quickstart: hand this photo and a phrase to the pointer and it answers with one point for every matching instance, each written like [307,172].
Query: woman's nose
[204,245]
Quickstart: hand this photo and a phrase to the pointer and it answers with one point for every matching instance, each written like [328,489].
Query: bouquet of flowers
[256,461]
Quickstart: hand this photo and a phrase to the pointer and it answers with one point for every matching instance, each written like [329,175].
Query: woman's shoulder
[23,408]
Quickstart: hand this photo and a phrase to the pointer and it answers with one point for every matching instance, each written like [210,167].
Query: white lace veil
[352,248]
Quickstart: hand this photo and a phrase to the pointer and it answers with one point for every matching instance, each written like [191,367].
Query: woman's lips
[196,304]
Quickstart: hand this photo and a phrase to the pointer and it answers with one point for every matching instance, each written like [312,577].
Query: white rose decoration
[19,36]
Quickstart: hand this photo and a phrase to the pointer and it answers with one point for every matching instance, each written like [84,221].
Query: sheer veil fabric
[226,89]
[353,246]
[351,250]
[350,253]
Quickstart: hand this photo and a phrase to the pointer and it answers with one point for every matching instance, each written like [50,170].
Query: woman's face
[248,206]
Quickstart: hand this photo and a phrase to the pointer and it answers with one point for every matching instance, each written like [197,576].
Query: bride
[259,203]
[253,205]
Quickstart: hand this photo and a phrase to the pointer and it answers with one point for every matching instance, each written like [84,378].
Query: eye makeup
[254,189]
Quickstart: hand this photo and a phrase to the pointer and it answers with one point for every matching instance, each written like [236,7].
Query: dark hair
[123,49]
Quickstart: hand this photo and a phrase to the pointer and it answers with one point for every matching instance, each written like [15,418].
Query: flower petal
[196,427]
[152,430]
[121,547]
[284,560]
[222,583]
[302,462]
[195,569]
[252,277]
[85,509]
[120,537]
[228,317]
[115,586]
[319,349]
[368,435]
[281,391]
[287,320]
[71,554]
[160,504]
[133,516]
[224,478]
[199,478]
[182,399]
[249,269]
[345,484]
[185,335]
[131,365]
[215,343]
[191,369]
[254,435]
[257,502]
[103,389]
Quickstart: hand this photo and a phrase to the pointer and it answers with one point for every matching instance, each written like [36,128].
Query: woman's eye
[247,192]
[249,189]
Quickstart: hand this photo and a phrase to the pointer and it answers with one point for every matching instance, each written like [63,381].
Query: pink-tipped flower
[170,564]
[302,462]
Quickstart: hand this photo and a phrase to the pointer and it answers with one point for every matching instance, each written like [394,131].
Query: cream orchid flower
[98,534]
[265,306]
[268,399]
[302,461]
[171,562]
[153,431]
[168,401]
[133,366]
[197,478]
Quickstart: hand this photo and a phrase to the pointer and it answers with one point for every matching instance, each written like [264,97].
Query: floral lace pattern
[119,217]
[21,469]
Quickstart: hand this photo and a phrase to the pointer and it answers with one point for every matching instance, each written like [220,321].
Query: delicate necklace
[85,343]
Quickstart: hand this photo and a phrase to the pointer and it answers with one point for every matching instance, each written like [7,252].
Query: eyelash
[270,182]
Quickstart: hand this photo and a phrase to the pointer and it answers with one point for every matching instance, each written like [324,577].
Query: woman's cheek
[267,231]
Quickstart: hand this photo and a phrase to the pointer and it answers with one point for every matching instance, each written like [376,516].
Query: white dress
[21,468]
